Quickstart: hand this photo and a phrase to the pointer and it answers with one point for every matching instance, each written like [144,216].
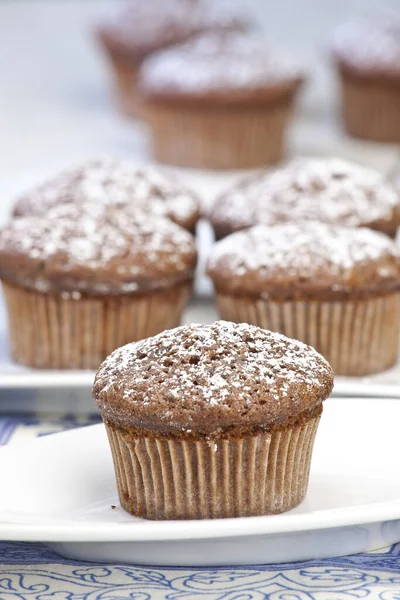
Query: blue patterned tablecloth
[34,572]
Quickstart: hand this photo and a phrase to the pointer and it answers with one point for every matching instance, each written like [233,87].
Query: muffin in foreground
[334,288]
[212,421]
[98,184]
[367,57]
[77,287]
[330,190]
[219,101]
[133,29]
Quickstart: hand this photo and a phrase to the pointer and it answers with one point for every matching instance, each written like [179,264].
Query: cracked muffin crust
[214,381]
[98,184]
[309,260]
[70,251]
[330,190]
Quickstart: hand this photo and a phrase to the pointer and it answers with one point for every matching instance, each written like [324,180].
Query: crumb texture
[95,185]
[328,190]
[296,261]
[209,380]
[67,250]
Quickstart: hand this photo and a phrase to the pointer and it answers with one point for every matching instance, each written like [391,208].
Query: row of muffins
[104,254]
[216,95]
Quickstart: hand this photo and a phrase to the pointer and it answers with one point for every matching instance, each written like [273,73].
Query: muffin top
[100,183]
[305,261]
[138,27]
[226,67]
[370,47]
[330,190]
[219,380]
[69,252]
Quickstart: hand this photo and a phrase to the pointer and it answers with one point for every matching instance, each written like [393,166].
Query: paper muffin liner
[183,479]
[356,337]
[217,138]
[55,332]
[371,109]
[126,81]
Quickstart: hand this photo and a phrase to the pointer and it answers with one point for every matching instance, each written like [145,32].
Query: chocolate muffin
[330,190]
[219,101]
[211,421]
[367,57]
[332,287]
[132,30]
[78,286]
[97,184]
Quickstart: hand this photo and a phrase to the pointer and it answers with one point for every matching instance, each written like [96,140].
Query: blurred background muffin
[330,190]
[367,56]
[95,185]
[133,29]
[220,101]
[334,288]
[77,285]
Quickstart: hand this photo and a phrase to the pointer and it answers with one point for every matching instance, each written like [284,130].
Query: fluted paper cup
[220,138]
[357,338]
[55,332]
[371,109]
[185,479]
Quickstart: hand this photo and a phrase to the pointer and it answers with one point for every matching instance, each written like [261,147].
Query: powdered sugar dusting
[328,190]
[302,247]
[100,183]
[213,62]
[370,46]
[308,255]
[100,251]
[209,365]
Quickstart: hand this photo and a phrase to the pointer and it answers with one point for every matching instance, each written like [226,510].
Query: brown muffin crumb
[216,381]
[70,252]
[329,190]
[98,184]
[305,261]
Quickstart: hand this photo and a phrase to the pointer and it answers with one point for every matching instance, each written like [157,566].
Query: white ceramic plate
[61,490]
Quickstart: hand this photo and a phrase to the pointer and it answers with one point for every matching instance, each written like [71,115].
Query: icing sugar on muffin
[78,286]
[367,56]
[219,101]
[210,421]
[330,190]
[96,184]
[133,29]
[332,287]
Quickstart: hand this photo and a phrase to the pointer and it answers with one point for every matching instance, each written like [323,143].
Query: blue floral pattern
[34,572]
